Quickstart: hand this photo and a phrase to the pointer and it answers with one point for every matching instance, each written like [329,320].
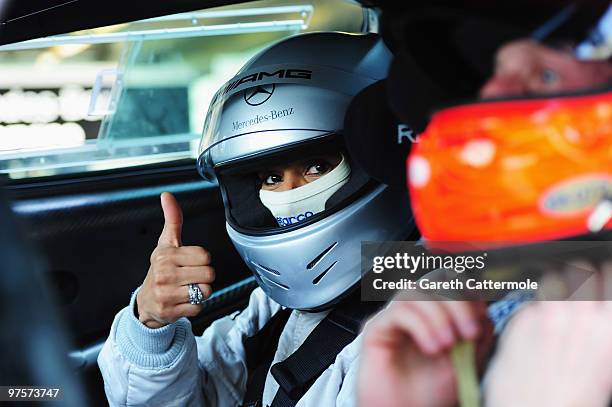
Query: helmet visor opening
[287,189]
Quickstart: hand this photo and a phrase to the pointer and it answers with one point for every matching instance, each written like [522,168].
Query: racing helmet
[289,102]
[527,168]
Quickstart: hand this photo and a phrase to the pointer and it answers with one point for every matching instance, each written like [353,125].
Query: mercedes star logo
[259,95]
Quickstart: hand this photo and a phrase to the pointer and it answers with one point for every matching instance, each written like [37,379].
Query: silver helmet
[289,100]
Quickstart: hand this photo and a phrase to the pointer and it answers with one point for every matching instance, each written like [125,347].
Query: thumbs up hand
[164,295]
[173,222]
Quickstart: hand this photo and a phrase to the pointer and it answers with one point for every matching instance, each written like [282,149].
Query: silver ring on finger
[196,297]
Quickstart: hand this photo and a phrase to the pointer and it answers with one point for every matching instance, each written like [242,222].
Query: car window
[137,93]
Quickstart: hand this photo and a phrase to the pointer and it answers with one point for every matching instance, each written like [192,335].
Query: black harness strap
[298,372]
[260,349]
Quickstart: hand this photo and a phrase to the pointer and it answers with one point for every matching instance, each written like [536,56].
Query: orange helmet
[515,171]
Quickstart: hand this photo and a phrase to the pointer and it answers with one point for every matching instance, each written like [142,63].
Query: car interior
[102,108]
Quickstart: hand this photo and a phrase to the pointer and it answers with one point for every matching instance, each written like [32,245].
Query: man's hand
[164,296]
[405,360]
[557,353]
[554,354]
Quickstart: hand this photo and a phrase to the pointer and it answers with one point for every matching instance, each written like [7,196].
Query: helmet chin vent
[317,259]
[266,269]
[320,276]
[269,282]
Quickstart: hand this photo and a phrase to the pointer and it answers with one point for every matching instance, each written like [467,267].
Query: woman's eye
[318,169]
[549,76]
[272,179]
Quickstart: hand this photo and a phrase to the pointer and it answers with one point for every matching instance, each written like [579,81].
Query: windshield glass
[137,93]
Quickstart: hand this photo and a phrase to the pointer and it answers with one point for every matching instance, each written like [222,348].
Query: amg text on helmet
[281,73]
